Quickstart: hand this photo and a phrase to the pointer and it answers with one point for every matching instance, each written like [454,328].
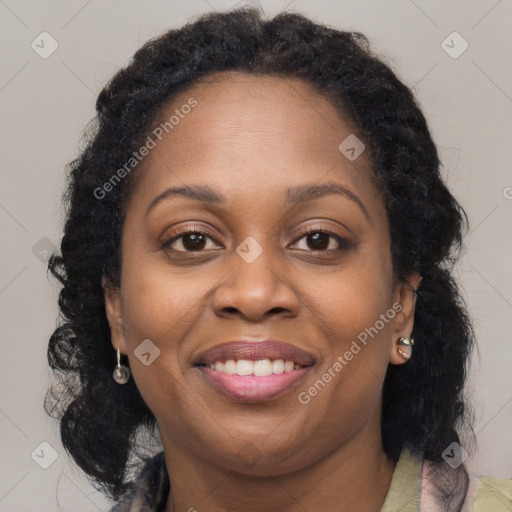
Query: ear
[403,323]
[114,316]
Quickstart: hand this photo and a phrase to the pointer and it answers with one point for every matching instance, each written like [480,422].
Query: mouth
[254,370]
[258,368]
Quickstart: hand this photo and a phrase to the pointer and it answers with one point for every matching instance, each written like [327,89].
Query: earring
[405,347]
[121,372]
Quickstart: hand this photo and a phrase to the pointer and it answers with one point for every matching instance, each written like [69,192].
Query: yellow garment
[405,488]
[409,490]
[495,494]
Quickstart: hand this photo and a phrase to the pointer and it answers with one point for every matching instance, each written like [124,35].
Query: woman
[256,261]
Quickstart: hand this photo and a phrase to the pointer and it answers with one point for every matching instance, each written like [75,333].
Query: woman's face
[255,148]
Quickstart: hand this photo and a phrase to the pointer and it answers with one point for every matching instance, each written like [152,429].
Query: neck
[355,476]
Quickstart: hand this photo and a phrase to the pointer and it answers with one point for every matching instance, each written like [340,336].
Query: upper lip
[255,350]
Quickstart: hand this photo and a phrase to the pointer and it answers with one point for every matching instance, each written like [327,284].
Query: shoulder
[487,493]
[477,493]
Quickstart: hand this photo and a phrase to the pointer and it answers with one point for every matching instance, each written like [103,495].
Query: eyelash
[344,243]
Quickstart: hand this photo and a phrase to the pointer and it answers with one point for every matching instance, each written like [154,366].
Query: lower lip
[250,387]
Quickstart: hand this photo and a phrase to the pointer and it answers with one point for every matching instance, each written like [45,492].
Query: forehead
[252,134]
[276,108]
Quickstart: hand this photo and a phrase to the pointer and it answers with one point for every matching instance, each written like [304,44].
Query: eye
[191,240]
[322,240]
[316,239]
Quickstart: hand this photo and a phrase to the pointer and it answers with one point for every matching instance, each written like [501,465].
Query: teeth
[278,366]
[244,367]
[230,367]
[260,368]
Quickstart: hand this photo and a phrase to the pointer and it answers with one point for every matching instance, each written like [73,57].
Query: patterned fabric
[152,489]
[409,491]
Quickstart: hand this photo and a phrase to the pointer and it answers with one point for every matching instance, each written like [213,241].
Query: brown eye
[193,241]
[190,241]
[323,241]
[319,241]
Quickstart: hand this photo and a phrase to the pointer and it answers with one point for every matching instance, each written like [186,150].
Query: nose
[256,289]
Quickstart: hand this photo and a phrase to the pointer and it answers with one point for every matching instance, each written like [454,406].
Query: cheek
[353,299]
[355,316]
[154,309]
[160,309]
[157,303]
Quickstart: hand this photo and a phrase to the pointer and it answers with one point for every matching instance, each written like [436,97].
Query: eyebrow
[293,195]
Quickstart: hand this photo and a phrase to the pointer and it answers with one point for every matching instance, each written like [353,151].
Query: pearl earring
[405,347]
[121,372]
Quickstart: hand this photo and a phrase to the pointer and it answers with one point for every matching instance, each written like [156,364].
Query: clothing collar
[152,488]
[405,488]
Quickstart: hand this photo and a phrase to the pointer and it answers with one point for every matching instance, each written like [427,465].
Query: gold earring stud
[405,347]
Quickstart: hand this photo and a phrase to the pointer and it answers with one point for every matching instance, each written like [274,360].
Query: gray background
[46,103]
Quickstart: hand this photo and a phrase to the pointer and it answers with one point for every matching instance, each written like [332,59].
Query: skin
[251,137]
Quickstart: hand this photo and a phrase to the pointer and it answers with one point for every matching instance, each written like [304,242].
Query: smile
[254,371]
[260,368]
[252,387]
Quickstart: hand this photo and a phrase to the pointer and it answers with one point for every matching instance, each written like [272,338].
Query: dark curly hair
[424,403]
